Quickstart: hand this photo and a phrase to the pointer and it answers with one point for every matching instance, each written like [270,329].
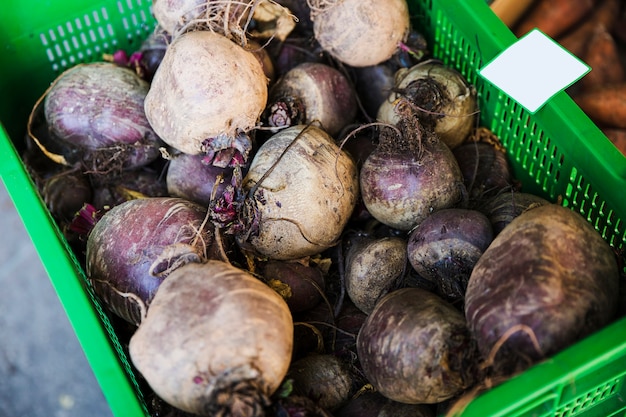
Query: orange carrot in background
[510,11]
[554,17]
[602,55]
[605,12]
[605,105]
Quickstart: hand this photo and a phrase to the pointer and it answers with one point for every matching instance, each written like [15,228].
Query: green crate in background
[557,153]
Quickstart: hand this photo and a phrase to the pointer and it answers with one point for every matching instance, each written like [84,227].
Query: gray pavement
[43,371]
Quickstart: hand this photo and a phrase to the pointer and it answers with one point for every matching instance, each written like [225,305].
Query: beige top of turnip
[206,86]
[360,32]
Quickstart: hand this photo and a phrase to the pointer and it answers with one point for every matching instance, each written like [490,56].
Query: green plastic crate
[557,153]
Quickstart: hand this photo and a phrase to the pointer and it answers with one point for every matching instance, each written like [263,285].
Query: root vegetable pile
[302,217]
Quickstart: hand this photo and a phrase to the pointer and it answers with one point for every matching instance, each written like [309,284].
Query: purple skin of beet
[134,246]
[300,285]
[98,107]
[191,177]
[485,169]
[445,247]
[312,92]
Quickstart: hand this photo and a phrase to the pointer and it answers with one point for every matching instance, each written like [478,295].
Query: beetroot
[192,177]
[302,286]
[216,341]
[415,348]
[445,247]
[96,111]
[138,243]
[547,280]
[410,174]
[312,92]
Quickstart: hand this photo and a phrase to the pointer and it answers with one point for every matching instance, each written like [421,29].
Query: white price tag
[534,69]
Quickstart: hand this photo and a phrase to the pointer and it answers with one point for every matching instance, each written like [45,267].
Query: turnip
[227,17]
[447,102]
[206,96]
[415,348]
[137,244]
[298,181]
[374,267]
[312,93]
[410,174]
[357,32]
[216,341]
[96,111]
[547,280]
[445,247]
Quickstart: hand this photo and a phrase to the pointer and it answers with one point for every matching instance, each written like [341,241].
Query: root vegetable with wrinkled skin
[215,341]
[415,348]
[206,96]
[298,181]
[360,32]
[546,281]
[134,247]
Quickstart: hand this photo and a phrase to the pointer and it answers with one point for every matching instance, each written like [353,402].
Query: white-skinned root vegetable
[216,341]
[134,246]
[227,17]
[546,281]
[172,15]
[206,96]
[312,92]
[410,174]
[360,32]
[298,180]
[447,102]
[445,247]
[95,111]
[415,348]
[374,267]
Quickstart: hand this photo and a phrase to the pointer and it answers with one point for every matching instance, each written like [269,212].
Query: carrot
[510,11]
[575,40]
[605,105]
[554,17]
[618,137]
[602,55]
